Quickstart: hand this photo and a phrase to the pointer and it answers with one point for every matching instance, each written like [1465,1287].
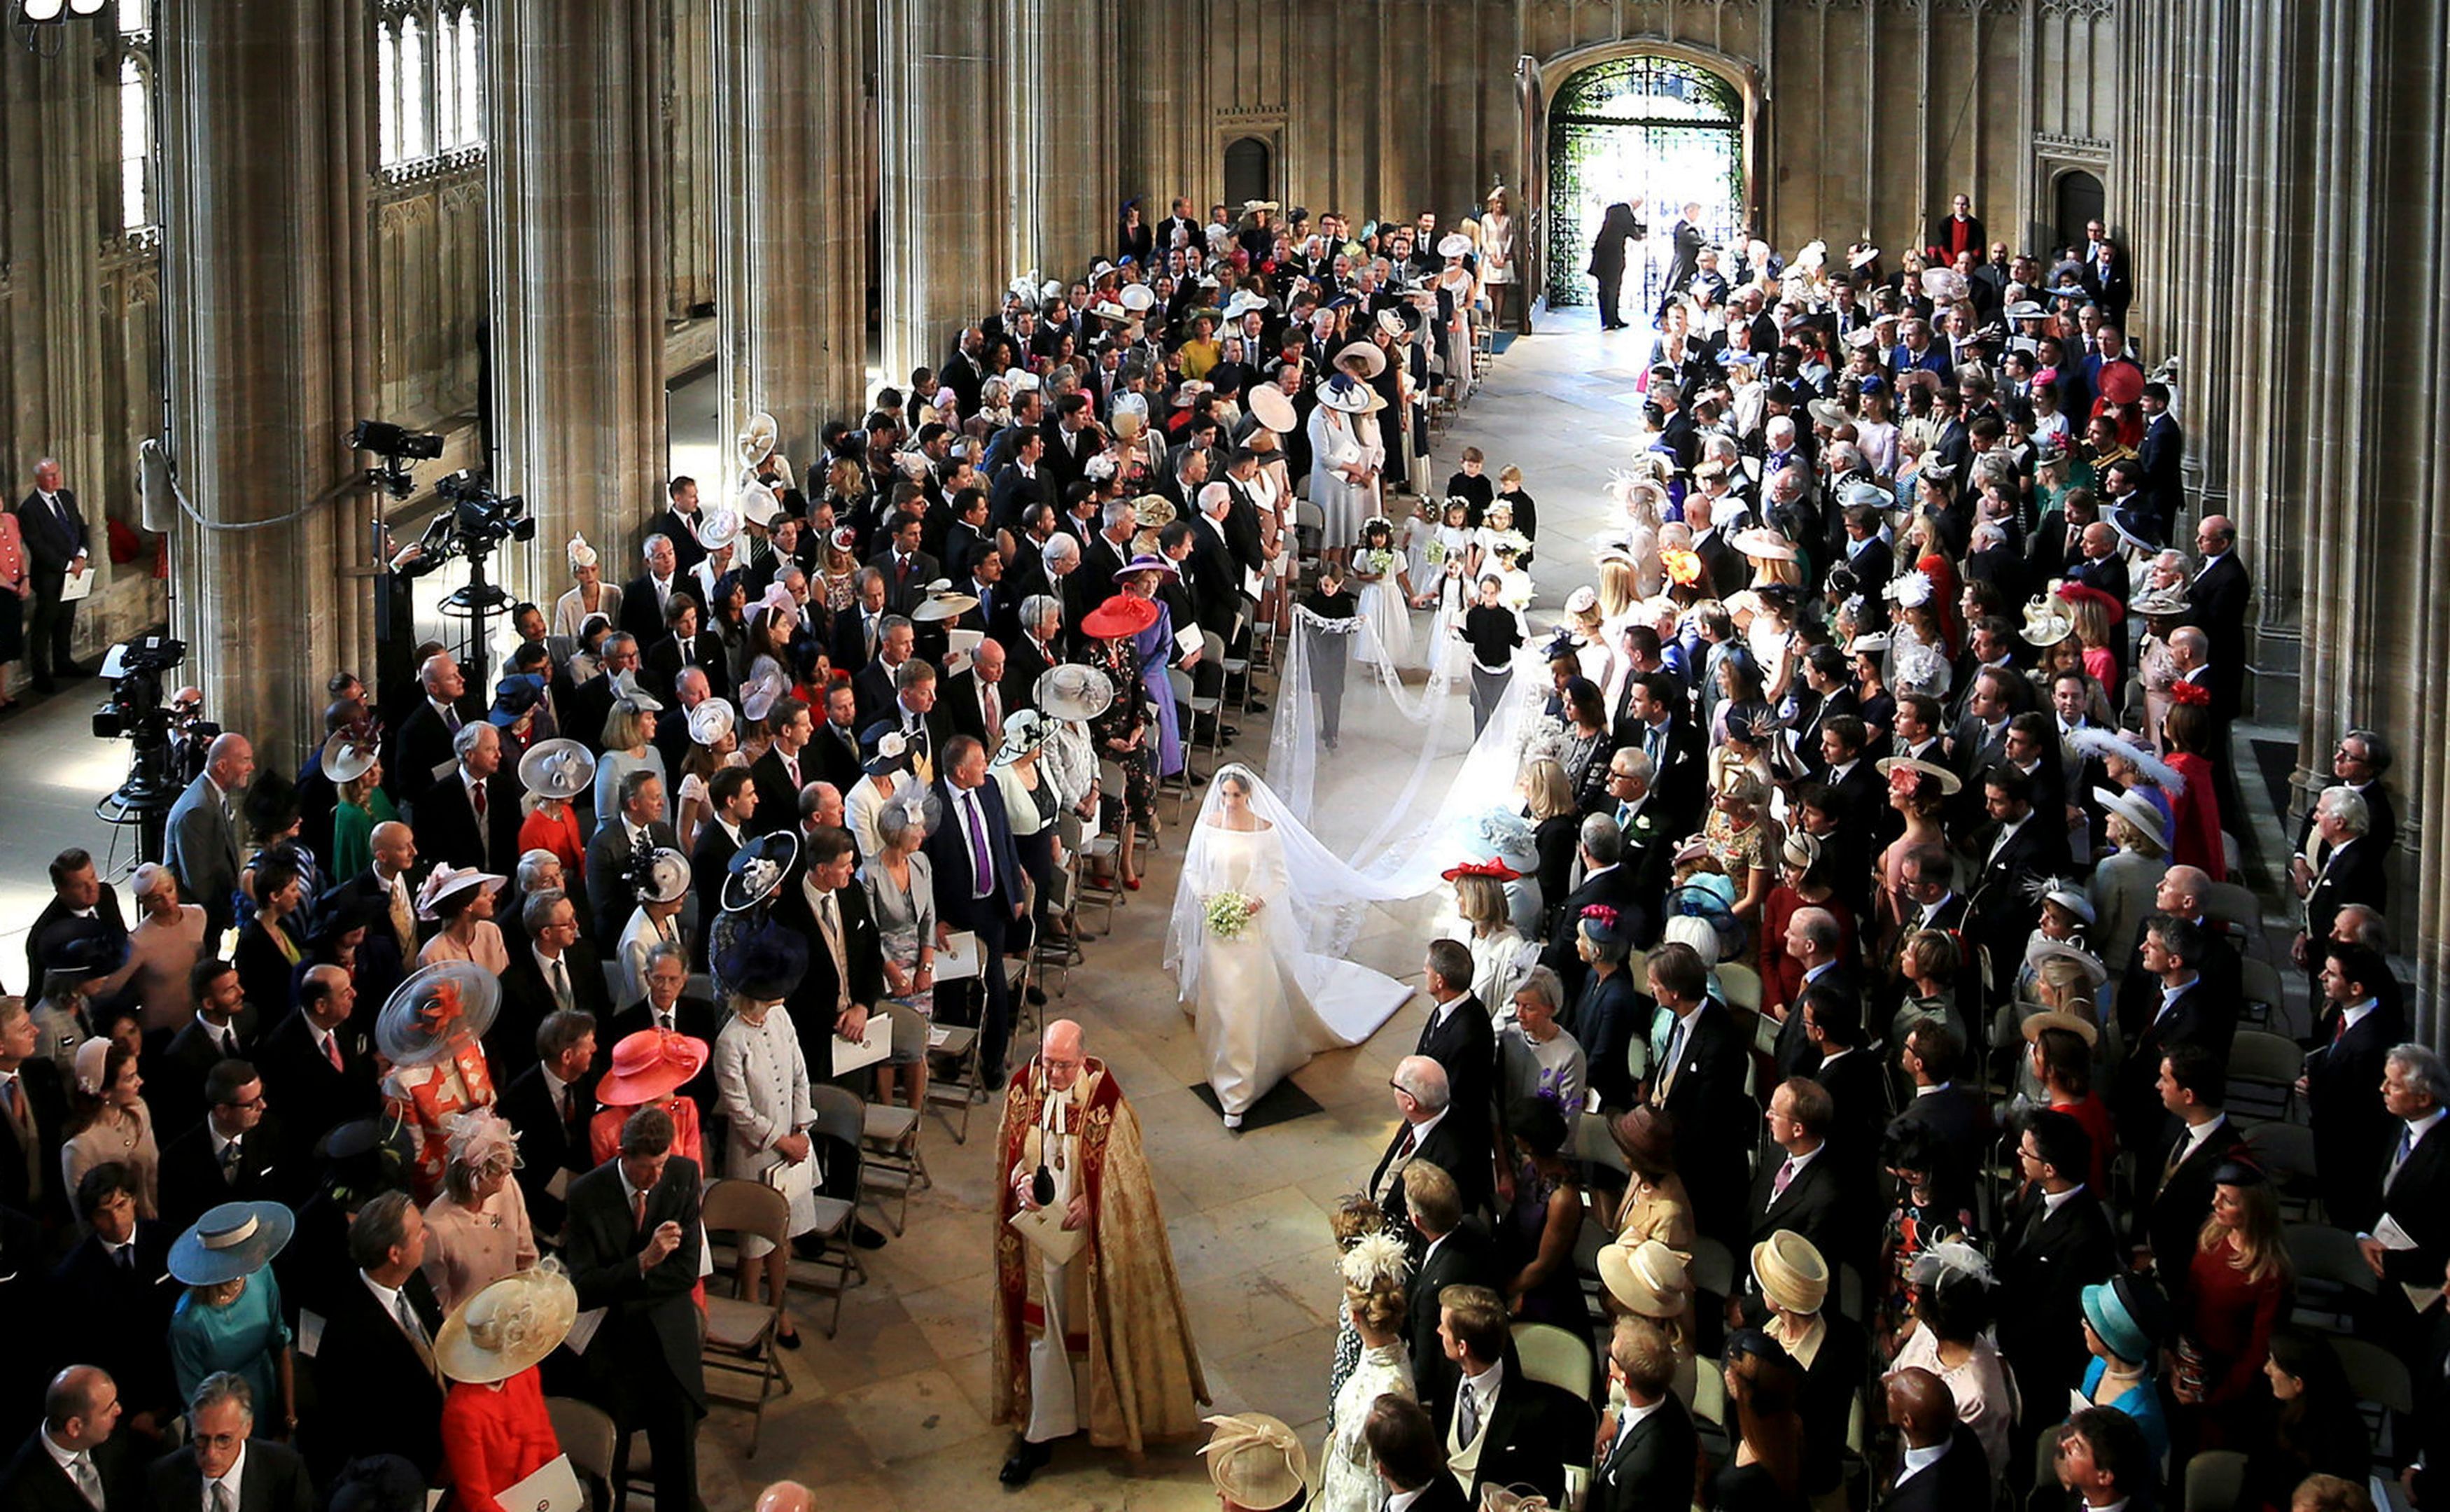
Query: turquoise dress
[245,1337]
[2141,1401]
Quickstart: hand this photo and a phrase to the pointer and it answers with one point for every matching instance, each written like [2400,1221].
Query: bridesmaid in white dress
[1373,1298]
[1264,1005]
[1378,566]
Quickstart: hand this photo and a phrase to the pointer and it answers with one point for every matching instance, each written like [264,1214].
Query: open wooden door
[1531,210]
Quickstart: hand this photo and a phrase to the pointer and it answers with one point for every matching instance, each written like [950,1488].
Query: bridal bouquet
[1228,914]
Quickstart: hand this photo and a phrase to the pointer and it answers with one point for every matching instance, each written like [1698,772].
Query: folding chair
[2285,1152]
[2262,1072]
[1551,1354]
[840,1119]
[1309,533]
[958,1084]
[2263,999]
[1713,1268]
[1235,666]
[1179,681]
[740,1333]
[2377,1377]
[586,1434]
[891,1161]
[1741,986]
[2333,1280]
[2215,1480]
[1106,849]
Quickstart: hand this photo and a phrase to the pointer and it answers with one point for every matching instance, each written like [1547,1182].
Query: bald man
[1077,1188]
[1943,1465]
[786,1496]
[72,1462]
[202,845]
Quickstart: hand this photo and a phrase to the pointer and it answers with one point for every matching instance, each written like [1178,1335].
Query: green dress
[245,1337]
[353,828]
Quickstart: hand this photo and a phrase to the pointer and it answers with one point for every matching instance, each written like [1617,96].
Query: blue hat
[766,966]
[518,693]
[2128,1314]
[757,869]
[233,1240]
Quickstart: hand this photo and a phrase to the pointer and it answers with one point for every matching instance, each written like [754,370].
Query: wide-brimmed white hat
[507,1327]
[447,881]
[712,719]
[1455,244]
[757,438]
[1368,355]
[718,527]
[2139,813]
[1648,1277]
[348,757]
[1024,732]
[1137,298]
[1272,407]
[557,768]
[410,1033]
[663,877]
[1345,393]
[1075,693]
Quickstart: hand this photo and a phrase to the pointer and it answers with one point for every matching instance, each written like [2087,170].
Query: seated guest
[1537,1060]
[1503,1428]
[224,1464]
[1650,1442]
[1406,1452]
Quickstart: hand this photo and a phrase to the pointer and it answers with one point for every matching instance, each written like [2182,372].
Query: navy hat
[757,869]
[518,693]
[766,966]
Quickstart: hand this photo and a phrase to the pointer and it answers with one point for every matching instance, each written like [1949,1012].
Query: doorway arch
[1654,124]
[1250,166]
[2078,199]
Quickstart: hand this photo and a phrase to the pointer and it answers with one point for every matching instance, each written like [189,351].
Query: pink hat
[650,1066]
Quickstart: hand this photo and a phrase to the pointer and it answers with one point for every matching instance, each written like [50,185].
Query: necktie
[229,1162]
[569,1104]
[995,717]
[410,1323]
[792,769]
[982,869]
[229,1044]
[2398,1157]
[476,798]
[1470,1413]
[332,1052]
[639,1210]
[125,1256]
[1785,1175]
[451,719]
[12,1101]
[403,922]
[221,1502]
[1411,1142]
[90,1485]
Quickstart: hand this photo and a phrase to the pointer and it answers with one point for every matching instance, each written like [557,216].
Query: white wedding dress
[1264,1001]
[1348,1481]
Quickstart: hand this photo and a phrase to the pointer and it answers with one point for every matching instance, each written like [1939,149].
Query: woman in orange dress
[554,772]
[496,1428]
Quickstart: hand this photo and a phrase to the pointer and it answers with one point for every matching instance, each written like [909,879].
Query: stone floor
[893,1412]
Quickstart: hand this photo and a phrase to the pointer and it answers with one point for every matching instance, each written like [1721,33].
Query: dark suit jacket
[311,1096]
[1614,889]
[957,700]
[117,1319]
[33,1481]
[2196,1017]
[2352,1128]
[778,798]
[273,1480]
[850,639]
[2418,1200]
[1464,1042]
[653,1326]
[175,1069]
[2181,1199]
[2357,872]
[2004,912]
[813,1004]
[202,851]
[661,666]
[447,830]
[1960,1130]
[106,919]
[1714,1119]
[510,1044]
[39,1082]
[642,611]
[903,592]
[1533,1432]
[1215,580]
[423,744]
[50,545]
[1649,1467]
[1959,1477]
[948,853]
[547,1144]
[611,900]
[1814,1205]
[1463,1259]
[1461,1151]
[709,863]
[1858,1085]
[835,757]
[191,1177]
[375,1392]
[2045,1260]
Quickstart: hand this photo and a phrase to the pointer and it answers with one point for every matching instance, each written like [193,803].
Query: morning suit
[1650,1466]
[2045,1259]
[1959,1477]
[312,1094]
[1700,1078]
[1527,1435]
[2350,1123]
[979,888]
[553,1140]
[610,897]
[115,1314]
[1460,1150]
[195,1178]
[32,1126]
[273,1479]
[2181,1197]
[377,1387]
[55,533]
[201,849]
[644,1359]
[528,996]
[1463,1259]
[449,829]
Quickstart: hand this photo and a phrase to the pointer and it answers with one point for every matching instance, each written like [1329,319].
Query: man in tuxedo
[2350,1123]
[469,817]
[1651,1445]
[1953,1120]
[554,970]
[550,1104]
[610,897]
[378,1390]
[2055,1240]
[1431,1134]
[423,740]
[81,903]
[1453,1253]
[2409,1244]
[223,1464]
[633,1246]
[979,882]
[1700,1080]
[2201,1140]
[233,1156]
[667,1006]
[115,1294]
[34,1110]
[57,550]
[316,1067]
[1942,1466]
[685,645]
[76,1460]
[1796,1187]
[1686,238]
[2022,849]
[2187,1012]
[201,838]
[1503,1428]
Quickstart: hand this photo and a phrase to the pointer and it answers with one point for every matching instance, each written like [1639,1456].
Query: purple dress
[1155,648]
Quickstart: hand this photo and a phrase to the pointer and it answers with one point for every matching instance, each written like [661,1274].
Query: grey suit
[203,852]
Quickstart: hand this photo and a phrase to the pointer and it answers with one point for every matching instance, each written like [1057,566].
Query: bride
[1263,999]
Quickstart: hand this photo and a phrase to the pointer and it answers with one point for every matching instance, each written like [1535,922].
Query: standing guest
[714,750]
[461,900]
[55,540]
[223,1464]
[16,586]
[548,1104]
[229,1156]
[495,1431]
[1698,1080]
[1952,1290]
[2200,1141]
[589,596]
[1767,1470]
[470,815]
[1940,1463]
[2125,1322]
[2228,1301]
[162,949]
[763,1082]
[1069,1144]
[629,735]
[231,1319]
[638,820]
[2318,1428]
[1803,1191]
[1536,1241]
[2054,1241]
[648,1069]
[632,1247]
[2103,1459]
[317,1064]
[2416,1179]
[81,905]
[1609,1015]
[116,1286]
[978,877]
[378,1390]
[554,773]
[431,1031]
[1825,1350]
[109,1124]
[1453,1253]
[2350,1123]
[660,880]
[1503,1428]
[902,899]
[271,946]
[477,1232]
[75,1460]
[201,844]
[360,803]
[1537,1060]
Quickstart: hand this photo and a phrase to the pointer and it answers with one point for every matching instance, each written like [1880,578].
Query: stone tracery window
[429,82]
[135,100]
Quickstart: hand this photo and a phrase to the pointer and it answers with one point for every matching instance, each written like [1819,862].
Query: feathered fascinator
[1683,568]
[1375,1257]
[1952,1263]
[2106,742]
[1911,589]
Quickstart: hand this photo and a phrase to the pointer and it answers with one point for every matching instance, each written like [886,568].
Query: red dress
[492,1440]
[2196,817]
[2230,1318]
[540,831]
[2094,1114]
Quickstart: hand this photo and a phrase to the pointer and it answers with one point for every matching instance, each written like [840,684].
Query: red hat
[1123,615]
[2085,593]
[1493,868]
[650,1066]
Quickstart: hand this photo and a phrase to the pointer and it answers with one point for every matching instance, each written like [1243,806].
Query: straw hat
[1649,1278]
[757,869]
[1368,355]
[650,1066]
[944,605]
[447,881]
[1123,615]
[2076,1024]
[509,1326]
[1254,1460]
[233,1240]
[1791,1272]
[348,756]
[1074,692]
[711,720]
[1273,408]
[435,1006]
[2042,948]
[1763,544]
[757,438]
[1949,783]
[557,768]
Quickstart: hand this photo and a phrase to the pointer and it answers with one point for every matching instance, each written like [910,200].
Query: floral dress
[1127,716]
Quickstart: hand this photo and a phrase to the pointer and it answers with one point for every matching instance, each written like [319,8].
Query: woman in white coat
[1344,456]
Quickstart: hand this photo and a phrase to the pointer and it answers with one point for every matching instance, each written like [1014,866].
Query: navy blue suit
[985,904]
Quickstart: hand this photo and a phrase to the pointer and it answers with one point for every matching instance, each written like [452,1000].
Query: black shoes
[864,1237]
[1026,1459]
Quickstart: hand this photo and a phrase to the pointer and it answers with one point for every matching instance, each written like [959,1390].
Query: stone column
[941,67]
[271,353]
[574,176]
[791,239]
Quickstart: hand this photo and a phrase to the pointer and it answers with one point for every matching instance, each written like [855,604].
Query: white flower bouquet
[1228,914]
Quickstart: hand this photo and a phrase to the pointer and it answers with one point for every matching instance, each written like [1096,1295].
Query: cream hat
[507,1327]
[1647,1277]
[1791,1272]
[1254,1459]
